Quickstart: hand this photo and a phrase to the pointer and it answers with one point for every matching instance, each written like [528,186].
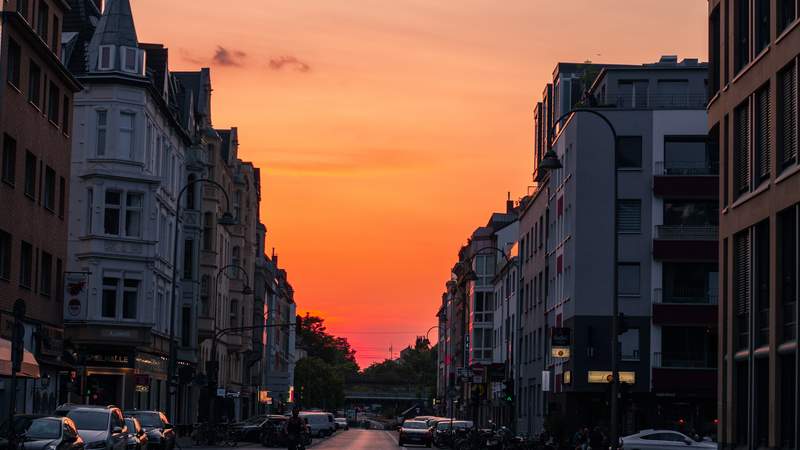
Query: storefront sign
[76,293]
[545,381]
[108,359]
[567,377]
[606,377]
[51,340]
[560,342]
[264,398]
[146,362]
[560,352]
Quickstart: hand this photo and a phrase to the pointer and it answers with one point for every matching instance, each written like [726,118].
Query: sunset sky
[388,130]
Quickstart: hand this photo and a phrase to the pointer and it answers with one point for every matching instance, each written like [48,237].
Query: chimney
[509,204]
[274,258]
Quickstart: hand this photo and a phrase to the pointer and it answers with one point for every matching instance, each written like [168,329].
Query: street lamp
[550,161]
[227,219]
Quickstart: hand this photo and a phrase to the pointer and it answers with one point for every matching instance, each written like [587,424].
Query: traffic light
[508,391]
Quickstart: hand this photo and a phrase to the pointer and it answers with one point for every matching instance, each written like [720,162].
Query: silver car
[664,440]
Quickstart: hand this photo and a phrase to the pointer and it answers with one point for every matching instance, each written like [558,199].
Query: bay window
[120,295]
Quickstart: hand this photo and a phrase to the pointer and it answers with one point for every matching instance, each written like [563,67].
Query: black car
[42,433]
[100,427]
[250,430]
[160,433]
[137,437]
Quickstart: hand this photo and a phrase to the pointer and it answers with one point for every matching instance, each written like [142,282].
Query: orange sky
[387,130]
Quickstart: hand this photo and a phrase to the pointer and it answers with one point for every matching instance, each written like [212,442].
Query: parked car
[137,437]
[341,423]
[100,427]
[273,431]
[43,433]
[664,439]
[160,433]
[442,434]
[320,423]
[250,430]
[415,432]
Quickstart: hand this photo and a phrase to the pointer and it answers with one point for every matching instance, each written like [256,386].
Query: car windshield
[89,420]
[415,425]
[130,424]
[44,428]
[149,420]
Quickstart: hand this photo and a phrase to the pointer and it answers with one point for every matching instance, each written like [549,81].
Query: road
[353,439]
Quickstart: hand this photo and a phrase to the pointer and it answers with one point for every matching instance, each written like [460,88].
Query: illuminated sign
[606,377]
[567,377]
[263,397]
[560,352]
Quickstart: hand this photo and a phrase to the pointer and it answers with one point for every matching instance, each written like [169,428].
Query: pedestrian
[294,430]
[596,439]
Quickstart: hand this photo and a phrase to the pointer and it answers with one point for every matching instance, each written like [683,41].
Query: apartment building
[36,136]
[753,89]
[667,231]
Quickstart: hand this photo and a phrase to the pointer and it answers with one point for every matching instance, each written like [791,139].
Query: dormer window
[106,58]
[132,59]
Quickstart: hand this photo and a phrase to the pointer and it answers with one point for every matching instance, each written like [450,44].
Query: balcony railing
[687,232]
[685,297]
[684,360]
[652,101]
[687,168]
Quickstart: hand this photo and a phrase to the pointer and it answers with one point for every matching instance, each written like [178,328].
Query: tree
[318,384]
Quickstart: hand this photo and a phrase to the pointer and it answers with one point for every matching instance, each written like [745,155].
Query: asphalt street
[354,439]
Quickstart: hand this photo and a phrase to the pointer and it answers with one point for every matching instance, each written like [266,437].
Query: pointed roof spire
[116,27]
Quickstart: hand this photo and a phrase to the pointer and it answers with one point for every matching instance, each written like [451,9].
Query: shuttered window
[629,216]
[787,115]
[741,149]
[741,286]
[762,147]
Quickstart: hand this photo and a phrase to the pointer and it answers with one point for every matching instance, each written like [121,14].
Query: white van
[320,423]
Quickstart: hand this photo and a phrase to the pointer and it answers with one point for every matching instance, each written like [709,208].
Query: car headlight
[96,444]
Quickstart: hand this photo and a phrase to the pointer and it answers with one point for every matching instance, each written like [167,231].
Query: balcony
[687,232]
[687,168]
[652,101]
[685,297]
[684,360]
[697,309]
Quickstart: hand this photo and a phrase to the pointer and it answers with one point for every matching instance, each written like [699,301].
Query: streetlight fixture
[550,161]
[227,219]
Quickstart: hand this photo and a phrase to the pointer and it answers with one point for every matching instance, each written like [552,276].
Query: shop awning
[30,368]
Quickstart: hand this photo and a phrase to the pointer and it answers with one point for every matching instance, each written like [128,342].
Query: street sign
[477,379]
[220,392]
[545,381]
[465,372]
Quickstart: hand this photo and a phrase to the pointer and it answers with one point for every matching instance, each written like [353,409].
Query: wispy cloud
[289,62]
[226,57]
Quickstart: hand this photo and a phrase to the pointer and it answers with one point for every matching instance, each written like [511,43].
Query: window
[188,259]
[59,280]
[629,279]
[14,63]
[714,62]
[787,13]
[65,116]
[690,283]
[106,56]
[186,326]
[89,210]
[629,152]
[741,32]
[5,255]
[761,25]
[102,123]
[208,232]
[762,146]
[53,99]
[741,149]
[237,205]
[50,188]
[30,175]
[44,19]
[129,59]
[629,345]
[760,282]
[629,216]
[26,265]
[62,195]
[35,84]
[9,159]
[127,136]
[130,293]
[787,271]
[109,306]
[56,34]
[22,8]
[741,288]
[689,155]
[46,274]
[190,192]
[691,213]
[133,214]
[787,115]
[112,210]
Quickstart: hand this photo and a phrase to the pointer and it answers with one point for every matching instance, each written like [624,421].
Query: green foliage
[319,378]
[415,367]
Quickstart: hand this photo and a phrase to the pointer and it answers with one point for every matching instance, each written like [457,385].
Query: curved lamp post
[227,219]
[550,161]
